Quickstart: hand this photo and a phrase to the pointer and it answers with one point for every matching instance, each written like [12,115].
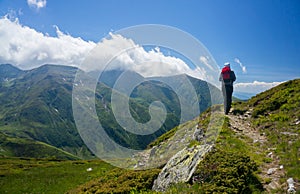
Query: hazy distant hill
[243,95]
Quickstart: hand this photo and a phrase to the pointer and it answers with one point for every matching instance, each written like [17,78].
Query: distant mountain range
[243,95]
[36,110]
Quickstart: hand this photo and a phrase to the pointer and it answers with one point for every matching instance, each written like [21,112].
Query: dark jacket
[230,81]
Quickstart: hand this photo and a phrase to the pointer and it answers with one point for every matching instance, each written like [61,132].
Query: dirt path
[271,169]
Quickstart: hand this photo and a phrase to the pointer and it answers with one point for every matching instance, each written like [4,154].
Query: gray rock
[274,185]
[289,133]
[291,186]
[199,134]
[270,155]
[180,167]
[271,171]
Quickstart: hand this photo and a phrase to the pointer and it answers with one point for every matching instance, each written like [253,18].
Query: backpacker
[226,73]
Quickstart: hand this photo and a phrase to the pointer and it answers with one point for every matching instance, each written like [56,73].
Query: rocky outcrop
[180,167]
[160,154]
[199,134]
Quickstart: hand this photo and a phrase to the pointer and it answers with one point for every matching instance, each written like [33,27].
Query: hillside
[255,140]
[22,147]
[256,151]
[276,114]
[9,72]
[36,105]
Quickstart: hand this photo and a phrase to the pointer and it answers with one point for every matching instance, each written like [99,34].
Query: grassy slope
[37,105]
[23,175]
[276,113]
[230,167]
[21,147]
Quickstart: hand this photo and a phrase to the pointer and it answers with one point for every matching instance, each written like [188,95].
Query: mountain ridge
[36,104]
[256,151]
[249,156]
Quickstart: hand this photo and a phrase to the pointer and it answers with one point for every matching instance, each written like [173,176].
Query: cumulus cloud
[128,55]
[255,87]
[37,4]
[27,48]
[241,65]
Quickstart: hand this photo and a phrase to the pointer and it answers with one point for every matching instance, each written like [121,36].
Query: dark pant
[227,95]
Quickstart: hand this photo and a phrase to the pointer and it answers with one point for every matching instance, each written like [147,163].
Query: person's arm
[233,78]
[220,77]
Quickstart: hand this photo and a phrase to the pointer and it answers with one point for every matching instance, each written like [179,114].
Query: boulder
[180,167]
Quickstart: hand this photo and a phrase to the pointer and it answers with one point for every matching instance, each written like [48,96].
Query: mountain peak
[8,71]
[8,67]
[54,68]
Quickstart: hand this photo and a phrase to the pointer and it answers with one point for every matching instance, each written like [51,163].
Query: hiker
[227,77]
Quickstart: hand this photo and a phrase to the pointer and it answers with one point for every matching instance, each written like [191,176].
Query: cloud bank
[27,49]
[37,4]
[128,55]
[255,87]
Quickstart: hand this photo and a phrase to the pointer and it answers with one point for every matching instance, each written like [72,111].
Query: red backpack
[226,73]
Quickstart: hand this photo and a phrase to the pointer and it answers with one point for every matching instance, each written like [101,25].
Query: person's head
[227,64]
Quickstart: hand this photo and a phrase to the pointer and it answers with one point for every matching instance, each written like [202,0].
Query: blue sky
[263,34]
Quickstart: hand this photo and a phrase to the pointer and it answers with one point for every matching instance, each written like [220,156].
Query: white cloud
[241,65]
[27,48]
[205,60]
[254,87]
[37,4]
[126,54]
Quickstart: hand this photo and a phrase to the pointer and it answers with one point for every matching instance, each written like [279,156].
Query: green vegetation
[163,137]
[36,122]
[231,167]
[21,147]
[24,175]
[276,113]
[121,181]
[37,105]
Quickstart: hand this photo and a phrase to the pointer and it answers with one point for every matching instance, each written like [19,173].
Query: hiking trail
[271,171]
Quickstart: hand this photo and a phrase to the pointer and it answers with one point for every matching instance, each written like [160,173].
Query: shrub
[229,172]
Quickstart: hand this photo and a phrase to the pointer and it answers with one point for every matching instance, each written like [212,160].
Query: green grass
[230,167]
[163,137]
[275,112]
[22,147]
[23,175]
[121,181]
